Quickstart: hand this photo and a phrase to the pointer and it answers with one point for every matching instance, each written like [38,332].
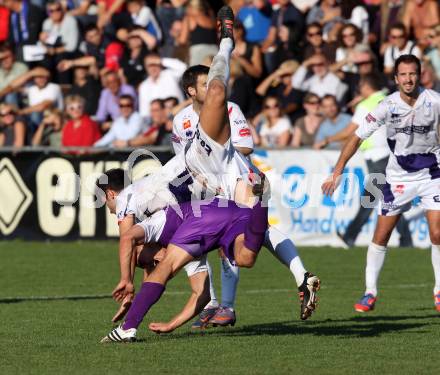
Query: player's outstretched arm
[199,298]
[127,243]
[349,149]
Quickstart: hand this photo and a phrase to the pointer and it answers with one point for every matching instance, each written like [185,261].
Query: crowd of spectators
[106,73]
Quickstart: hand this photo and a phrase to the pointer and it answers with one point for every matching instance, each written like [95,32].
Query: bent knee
[246,261]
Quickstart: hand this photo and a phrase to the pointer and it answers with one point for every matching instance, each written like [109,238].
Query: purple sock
[256,228]
[147,297]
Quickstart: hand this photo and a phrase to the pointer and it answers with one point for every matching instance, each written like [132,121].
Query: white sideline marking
[176,293]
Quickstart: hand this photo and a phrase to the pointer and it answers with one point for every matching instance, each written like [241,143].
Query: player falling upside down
[121,201]
[211,155]
[188,231]
[184,127]
[411,117]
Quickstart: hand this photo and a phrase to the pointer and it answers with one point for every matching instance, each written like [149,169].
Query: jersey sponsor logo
[186,124]
[418,129]
[436,198]
[370,118]
[244,132]
[189,133]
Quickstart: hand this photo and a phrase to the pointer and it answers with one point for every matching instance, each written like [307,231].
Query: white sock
[230,275]
[435,257]
[213,302]
[285,250]
[375,258]
[220,64]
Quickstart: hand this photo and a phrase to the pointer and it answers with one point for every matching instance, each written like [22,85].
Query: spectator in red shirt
[80,130]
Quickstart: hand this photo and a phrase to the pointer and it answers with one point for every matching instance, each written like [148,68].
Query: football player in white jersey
[184,127]
[120,199]
[411,118]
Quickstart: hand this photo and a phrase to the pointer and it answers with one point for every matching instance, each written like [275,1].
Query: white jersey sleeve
[372,121]
[153,226]
[241,135]
[125,204]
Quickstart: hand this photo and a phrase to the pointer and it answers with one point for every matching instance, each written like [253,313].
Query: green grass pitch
[61,336]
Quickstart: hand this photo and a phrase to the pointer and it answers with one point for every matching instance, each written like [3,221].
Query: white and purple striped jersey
[412,135]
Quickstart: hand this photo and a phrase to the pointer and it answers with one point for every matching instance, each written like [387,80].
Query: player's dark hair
[114,179]
[407,59]
[372,80]
[190,76]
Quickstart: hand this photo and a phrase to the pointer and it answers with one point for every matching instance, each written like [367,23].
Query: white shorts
[215,166]
[196,266]
[397,197]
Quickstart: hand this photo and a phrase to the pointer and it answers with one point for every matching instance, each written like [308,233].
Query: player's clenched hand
[125,305]
[160,327]
[123,289]
[330,185]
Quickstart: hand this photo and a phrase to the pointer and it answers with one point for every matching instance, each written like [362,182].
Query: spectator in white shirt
[162,82]
[125,127]
[276,128]
[399,44]
[314,76]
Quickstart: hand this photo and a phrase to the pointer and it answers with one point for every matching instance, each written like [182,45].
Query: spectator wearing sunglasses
[127,126]
[60,34]
[399,45]
[12,127]
[306,127]
[314,76]
[316,44]
[350,38]
[276,128]
[108,107]
[80,130]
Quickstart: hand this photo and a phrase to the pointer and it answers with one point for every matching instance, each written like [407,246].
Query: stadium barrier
[48,194]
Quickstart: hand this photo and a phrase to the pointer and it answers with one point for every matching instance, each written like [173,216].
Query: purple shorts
[214,226]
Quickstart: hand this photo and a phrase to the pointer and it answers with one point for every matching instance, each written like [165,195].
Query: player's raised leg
[433,218]
[375,260]
[213,115]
